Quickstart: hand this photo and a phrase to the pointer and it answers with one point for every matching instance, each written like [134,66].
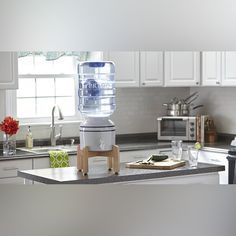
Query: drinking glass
[176,147]
[193,157]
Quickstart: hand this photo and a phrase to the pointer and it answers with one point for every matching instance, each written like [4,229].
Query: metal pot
[172,106]
[185,109]
[172,109]
[173,112]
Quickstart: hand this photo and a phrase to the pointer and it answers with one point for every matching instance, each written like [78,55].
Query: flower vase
[9,145]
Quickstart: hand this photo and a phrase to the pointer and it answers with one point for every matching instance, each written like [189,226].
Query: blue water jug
[96,88]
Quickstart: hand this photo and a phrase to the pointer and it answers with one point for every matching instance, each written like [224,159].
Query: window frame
[11,100]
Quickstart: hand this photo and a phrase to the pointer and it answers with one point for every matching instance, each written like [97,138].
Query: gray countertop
[20,154]
[129,146]
[98,174]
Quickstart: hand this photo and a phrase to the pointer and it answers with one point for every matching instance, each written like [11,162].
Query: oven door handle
[171,118]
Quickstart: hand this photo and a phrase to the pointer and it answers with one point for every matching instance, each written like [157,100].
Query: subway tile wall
[220,103]
[138,108]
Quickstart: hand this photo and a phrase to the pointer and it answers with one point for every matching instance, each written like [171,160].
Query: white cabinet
[130,156]
[8,170]
[219,68]
[151,69]
[207,178]
[182,69]
[216,158]
[211,69]
[14,180]
[229,68]
[43,162]
[8,70]
[126,67]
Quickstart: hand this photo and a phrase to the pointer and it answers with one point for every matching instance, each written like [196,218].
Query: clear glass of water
[193,157]
[176,147]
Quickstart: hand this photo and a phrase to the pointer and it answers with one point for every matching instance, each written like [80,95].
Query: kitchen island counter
[99,175]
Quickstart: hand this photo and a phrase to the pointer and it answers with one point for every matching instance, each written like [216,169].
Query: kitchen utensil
[186,108]
[173,112]
[192,95]
[193,99]
[167,164]
[173,109]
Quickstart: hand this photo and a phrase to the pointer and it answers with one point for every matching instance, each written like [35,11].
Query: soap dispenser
[29,139]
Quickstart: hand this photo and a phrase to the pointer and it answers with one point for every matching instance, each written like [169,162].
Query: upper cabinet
[229,68]
[127,68]
[219,68]
[173,69]
[151,69]
[8,70]
[182,69]
[211,69]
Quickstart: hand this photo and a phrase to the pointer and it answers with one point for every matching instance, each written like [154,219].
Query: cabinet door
[211,68]
[8,70]
[229,68]
[182,69]
[126,68]
[10,168]
[14,180]
[41,163]
[217,159]
[151,69]
[130,156]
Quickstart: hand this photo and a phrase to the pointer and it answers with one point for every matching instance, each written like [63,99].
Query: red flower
[9,125]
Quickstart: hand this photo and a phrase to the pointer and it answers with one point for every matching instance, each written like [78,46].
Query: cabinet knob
[217,82]
[197,83]
[143,83]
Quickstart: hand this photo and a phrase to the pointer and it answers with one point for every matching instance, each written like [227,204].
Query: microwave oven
[177,127]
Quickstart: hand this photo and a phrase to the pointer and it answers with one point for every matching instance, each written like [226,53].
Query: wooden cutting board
[167,164]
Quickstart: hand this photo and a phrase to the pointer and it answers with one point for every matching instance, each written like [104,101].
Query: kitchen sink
[44,150]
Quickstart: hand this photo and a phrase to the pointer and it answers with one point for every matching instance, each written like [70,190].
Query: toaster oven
[177,127]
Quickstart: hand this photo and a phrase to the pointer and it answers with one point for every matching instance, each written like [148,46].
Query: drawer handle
[215,160]
[10,168]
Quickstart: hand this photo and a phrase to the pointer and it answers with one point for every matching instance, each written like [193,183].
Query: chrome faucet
[53,135]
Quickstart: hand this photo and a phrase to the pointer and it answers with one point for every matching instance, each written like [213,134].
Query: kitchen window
[44,83]
[45,80]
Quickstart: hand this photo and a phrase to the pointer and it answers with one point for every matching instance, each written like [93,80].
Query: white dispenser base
[98,134]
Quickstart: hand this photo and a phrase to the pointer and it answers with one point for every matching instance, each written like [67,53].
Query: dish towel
[58,159]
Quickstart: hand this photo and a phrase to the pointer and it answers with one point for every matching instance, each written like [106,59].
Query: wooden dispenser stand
[113,158]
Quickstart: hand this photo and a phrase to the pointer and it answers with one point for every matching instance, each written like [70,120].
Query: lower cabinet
[208,178]
[216,158]
[8,170]
[13,180]
[129,156]
[43,162]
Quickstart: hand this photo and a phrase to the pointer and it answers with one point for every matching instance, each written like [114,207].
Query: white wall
[2,104]
[220,103]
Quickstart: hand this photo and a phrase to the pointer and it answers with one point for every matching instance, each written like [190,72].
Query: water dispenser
[96,103]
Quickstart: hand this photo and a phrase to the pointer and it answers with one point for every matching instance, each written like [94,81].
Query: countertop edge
[127,178]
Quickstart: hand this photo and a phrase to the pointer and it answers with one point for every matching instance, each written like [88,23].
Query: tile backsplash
[220,103]
[138,108]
